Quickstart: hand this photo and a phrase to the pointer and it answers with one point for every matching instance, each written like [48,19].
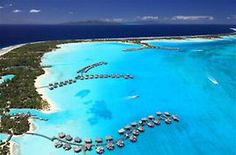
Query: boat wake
[213,80]
[232,28]
[132,97]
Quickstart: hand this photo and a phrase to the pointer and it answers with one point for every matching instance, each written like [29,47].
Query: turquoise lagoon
[197,83]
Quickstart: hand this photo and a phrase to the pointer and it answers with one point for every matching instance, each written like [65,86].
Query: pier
[148,46]
[100,145]
[89,67]
[83,76]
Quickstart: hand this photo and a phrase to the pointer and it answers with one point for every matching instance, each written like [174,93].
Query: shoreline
[207,36]
[52,108]
[14,146]
[10,48]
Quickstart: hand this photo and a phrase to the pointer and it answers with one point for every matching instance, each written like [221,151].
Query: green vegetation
[16,125]
[24,63]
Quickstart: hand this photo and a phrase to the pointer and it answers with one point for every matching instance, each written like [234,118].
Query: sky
[123,11]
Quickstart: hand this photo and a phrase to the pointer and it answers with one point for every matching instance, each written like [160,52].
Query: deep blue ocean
[16,34]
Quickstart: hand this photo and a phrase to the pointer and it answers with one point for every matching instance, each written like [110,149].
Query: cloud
[16,11]
[1,7]
[71,12]
[113,20]
[231,17]
[148,18]
[184,18]
[34,11]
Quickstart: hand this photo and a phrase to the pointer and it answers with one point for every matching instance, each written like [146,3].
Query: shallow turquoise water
[198,83]
[6,77]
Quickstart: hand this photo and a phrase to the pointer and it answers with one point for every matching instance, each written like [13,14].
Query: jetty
[84,76]
[129,132]
[89,67]
[145,45]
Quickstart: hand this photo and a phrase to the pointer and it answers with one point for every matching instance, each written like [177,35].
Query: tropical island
[24,64]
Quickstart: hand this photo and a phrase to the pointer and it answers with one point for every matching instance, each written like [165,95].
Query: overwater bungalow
[87,147]
[175,118]
[127,135]
[88,140]
[98,140]
[141,123]
[77,77]
[77,149]
[110,146]
[67,147]
[168,121]
[78,140]
[127,127]
[109,138]
[100,150]
[120,143]
[135,132]
[51,88]
[156,121]
[134,124]
[68,138]
[144,119]
[158,113]
[151,117]
[121,131]
[58,144]
[167,114]
[150,124]
[133,138]
[61,135]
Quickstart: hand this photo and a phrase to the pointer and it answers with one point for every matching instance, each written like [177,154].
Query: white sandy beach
[52,106]
[15,147]
[8,49]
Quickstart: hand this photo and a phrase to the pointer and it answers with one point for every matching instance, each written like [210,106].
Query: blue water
[6,77]
[197,83]
[17,34]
